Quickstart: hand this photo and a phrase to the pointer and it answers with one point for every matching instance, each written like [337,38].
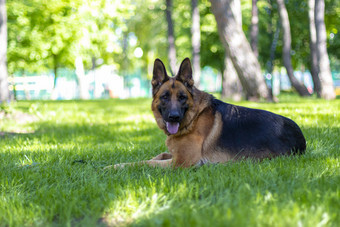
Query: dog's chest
[186,150]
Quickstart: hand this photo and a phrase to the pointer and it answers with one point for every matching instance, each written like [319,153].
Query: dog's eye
[182,98]
[165,97]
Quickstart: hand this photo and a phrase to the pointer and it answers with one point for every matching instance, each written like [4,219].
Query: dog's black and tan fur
[202,129]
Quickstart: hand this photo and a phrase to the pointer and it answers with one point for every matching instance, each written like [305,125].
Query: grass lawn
[51,171]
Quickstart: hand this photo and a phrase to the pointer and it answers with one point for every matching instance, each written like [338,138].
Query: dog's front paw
[108,167]
[119,166]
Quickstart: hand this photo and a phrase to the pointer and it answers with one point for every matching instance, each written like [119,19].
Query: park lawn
[51,171]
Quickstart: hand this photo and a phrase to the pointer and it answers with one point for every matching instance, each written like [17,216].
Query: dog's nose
[174,115]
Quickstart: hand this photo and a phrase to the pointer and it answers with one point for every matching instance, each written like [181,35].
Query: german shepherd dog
[202,129]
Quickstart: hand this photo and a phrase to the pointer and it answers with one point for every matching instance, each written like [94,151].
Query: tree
[80,73]
[254,28]
[196,41]
[42,37]
[171,37]
[231,85]
[4,92]
[325,76]
[300,43]
[60,25]
[313,48]
[270,68]
[299,87]
[212,50]
[332,23]
[238,48]
[51,35]
[157,29]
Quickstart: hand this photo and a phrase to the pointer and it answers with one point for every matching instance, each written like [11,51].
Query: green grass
[42,185]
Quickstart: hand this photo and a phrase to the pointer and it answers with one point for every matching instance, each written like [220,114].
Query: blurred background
[93,49]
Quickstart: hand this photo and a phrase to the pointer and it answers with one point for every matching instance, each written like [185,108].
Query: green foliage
[44,34]
[212,50]
[332,21]
[148,27]
[44,183]
[40,34]
[299,23]
[182,17]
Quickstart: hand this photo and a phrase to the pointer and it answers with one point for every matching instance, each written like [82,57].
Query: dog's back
[257,133]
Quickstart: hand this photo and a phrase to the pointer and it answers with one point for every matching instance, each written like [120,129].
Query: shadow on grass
[106,143]
[13,134]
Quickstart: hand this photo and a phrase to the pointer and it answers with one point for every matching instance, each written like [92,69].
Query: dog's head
[172,96]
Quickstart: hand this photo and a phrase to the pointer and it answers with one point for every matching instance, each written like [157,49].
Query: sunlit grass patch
[51,171]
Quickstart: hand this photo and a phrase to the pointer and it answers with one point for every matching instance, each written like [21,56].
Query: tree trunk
[325,76]
[97,92]
[26,87]
[171,38]
[238,48]
[254,28]
[231,85]
[54,93]
[196,42]
[299,87]
[270,64]
[4,91]
[313,51]
[55,70]
[82,86]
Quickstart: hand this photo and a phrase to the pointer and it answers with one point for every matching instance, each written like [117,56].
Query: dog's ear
[159,75]
[185,73]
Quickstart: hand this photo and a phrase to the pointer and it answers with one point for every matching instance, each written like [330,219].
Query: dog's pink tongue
[172,127]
